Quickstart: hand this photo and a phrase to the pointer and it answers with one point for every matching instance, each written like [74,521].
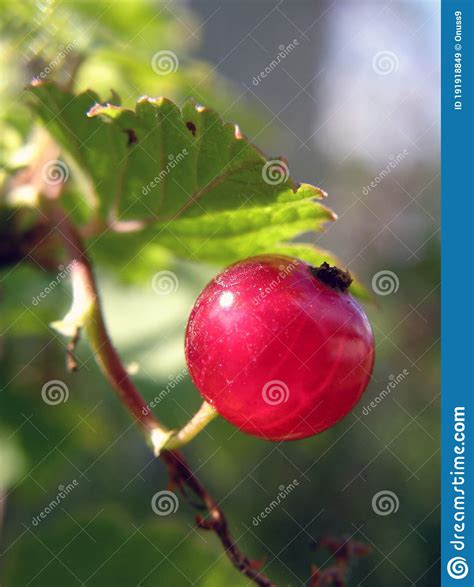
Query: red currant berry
[279,348]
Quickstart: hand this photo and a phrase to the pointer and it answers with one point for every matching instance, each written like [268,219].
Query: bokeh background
[359,94]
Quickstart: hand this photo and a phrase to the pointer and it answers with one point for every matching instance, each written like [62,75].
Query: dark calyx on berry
[334,277]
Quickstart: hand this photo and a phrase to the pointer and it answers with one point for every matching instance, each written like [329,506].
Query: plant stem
[198,422]
[86,312]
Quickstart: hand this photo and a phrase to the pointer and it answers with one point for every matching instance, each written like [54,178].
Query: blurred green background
[333,110]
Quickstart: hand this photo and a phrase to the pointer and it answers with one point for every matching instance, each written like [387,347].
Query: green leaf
[105,547]
[316,256]
[12,460]
[192,184]
[161,163]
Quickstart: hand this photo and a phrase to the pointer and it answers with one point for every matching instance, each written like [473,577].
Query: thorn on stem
[191,127]
[344,550]
[71,361]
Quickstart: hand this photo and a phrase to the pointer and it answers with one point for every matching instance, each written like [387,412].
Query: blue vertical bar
[457,420]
